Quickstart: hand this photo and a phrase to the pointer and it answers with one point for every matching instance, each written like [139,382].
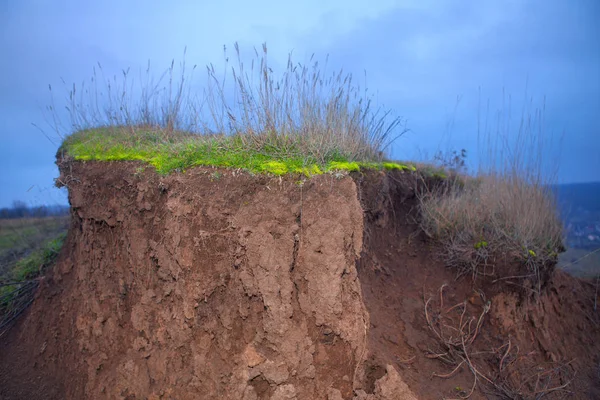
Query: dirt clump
[218,284]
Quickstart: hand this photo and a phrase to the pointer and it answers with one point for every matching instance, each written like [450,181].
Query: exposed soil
[218,284]
[553,341]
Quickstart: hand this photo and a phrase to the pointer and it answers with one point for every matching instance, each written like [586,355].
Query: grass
[168,152]
[492,215]
[18,286]
[502,221]
[299,121]
[19,237]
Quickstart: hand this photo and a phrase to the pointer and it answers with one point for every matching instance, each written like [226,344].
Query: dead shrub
[503,220]
[494,217]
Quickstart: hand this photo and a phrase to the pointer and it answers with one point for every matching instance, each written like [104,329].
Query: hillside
[218,283]
[260,245]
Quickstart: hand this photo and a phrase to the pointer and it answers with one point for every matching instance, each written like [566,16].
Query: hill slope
[220,284]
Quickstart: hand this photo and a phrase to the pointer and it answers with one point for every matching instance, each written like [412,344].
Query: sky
[436,63]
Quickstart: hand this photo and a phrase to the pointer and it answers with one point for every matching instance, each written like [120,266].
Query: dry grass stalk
[300,111]
[505,213]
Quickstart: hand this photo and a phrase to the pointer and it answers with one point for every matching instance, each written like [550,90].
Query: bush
[493,215]
[503,216]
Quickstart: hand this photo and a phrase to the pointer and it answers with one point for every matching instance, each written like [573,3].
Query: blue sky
[419,57]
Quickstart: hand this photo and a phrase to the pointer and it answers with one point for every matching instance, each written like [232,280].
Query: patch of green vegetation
[29,267]
[343,166]
[18,293]
[390,166]
[479,245]
[181,151]
[21,236]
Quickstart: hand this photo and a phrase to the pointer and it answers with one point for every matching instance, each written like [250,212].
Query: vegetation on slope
[18,283]
[19,237]
[309,123]
[304,122]
[502,221]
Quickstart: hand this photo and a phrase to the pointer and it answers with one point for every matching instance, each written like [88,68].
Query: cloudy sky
[433,62]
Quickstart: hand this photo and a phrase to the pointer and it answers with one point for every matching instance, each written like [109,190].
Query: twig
[408,361]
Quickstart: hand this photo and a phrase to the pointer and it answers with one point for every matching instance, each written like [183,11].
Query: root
[455,344]
[510,377]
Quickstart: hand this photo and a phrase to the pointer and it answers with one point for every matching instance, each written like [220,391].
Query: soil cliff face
[218,284]
[210,284]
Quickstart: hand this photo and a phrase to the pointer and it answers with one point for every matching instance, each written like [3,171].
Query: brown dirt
[399,272]
[209,285]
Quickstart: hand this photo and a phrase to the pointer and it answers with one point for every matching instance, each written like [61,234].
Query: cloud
[419,56]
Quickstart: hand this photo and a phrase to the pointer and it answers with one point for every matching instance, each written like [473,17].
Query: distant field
[20,237]
[580,262]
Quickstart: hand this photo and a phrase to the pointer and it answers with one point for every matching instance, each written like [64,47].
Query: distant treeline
[20,209]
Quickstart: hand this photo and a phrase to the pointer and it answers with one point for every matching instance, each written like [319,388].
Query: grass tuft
[298,121]
[503,216]
[168,152]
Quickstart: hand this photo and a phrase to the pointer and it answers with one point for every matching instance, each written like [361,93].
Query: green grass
[31,266]
[19,237]
[18,286]
[180,151]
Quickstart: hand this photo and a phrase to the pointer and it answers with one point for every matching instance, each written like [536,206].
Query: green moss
[274,167]
[390,166]
[178,152]
[343,166]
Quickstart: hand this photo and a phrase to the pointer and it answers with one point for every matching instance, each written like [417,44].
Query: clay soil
[217,284]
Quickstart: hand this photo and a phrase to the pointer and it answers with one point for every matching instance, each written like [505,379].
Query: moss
[390,166]
[178,152]
[274,167]
[343,166]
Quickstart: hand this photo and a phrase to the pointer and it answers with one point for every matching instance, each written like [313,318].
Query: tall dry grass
[502,221]
[300,111]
